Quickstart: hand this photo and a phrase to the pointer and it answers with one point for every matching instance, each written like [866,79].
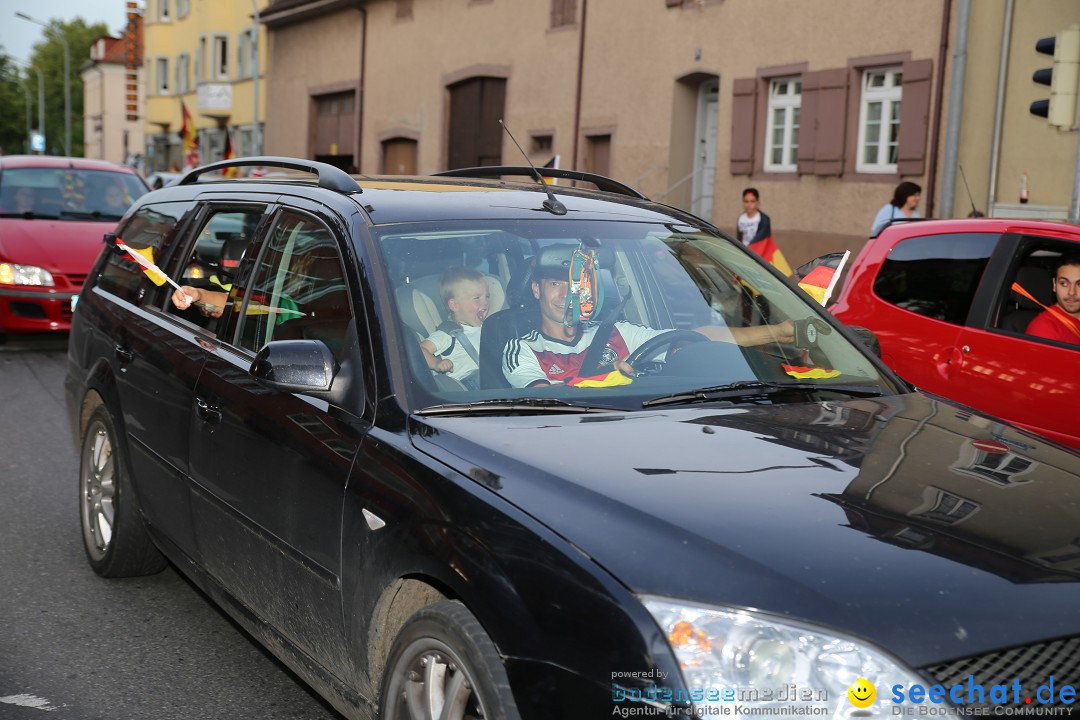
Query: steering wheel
[666,339]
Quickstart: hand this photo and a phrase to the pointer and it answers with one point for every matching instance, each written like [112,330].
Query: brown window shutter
[808,120]
[914,117]
[743,106]
[831,126]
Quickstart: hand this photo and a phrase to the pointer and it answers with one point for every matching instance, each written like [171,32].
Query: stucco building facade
[823,106]
[113,93]
[210,57]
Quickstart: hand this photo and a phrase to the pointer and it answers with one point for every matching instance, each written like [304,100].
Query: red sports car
[53,213]
[950,302]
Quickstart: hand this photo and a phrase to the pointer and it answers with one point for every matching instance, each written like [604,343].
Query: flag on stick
[823,276]
[767,249]
[189,138]
[553,163]
[229,154]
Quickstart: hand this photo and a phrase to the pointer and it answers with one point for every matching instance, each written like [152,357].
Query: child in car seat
[453,347]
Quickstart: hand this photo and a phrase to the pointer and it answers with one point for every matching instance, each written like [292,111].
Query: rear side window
[151,229]
[936,275]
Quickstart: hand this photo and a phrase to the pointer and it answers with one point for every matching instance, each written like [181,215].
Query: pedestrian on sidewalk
[753,225]
[904,205]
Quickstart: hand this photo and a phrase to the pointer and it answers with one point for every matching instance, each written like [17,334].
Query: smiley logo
[861,693]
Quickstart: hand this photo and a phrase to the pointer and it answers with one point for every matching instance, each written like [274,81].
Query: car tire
[115,537]
[443,664]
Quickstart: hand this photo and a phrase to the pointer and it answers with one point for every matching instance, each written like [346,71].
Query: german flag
[820,281]
[189,138]
[610,379]
[229,154]
[767,249]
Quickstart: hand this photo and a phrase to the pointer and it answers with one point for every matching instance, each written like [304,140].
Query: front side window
[183,7]
[879,120]
[152,232]
[298,291]
[782,133]
[681,302]
[163,10]
[935,275]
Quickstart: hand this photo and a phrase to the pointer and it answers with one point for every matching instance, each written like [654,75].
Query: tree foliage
[13,99]
[48,56]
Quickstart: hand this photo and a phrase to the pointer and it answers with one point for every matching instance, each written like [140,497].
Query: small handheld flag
[820,282]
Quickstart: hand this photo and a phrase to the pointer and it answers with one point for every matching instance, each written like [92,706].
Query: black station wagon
[660,481]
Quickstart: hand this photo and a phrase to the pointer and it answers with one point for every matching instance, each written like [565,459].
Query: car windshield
[697,317]
[67,193]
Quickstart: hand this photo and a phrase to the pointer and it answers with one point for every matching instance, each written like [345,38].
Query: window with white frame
[245,53]
[200,60]
[183,7]
[163,10]
[161,76]
[879,120]
[220,69]
[183,82]
[782,131]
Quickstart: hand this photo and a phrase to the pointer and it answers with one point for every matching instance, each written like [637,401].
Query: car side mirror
[868,338]
[304,366]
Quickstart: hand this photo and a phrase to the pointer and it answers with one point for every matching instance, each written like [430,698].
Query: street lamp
[67,79]
[40,95]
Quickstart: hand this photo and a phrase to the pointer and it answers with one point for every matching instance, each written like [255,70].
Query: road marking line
[30,701]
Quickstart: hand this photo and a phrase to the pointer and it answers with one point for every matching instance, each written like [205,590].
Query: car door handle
[207,413]
[125,355]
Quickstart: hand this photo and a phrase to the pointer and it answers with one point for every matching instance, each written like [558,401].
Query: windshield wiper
[92,215]
[29,215]
[747,390]
[511,405]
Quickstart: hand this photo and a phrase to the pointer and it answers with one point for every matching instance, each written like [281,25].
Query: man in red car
[1061,322]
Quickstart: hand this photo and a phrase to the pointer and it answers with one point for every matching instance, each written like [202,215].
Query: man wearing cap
[554,352]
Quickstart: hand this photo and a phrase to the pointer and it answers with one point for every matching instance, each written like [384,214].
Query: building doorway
[399,156]
[475,137]
[704,179]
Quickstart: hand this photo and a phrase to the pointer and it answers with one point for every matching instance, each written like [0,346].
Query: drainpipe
[580,73]
[956,109]
[360,91]
[999,106]
[939,92]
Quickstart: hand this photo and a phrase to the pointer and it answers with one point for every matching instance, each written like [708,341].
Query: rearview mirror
[868,338]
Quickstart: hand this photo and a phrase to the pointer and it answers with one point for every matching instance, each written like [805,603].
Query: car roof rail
[605,184]
[330,177]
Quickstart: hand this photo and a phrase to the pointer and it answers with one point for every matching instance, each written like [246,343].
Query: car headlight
[744,656]
[12,274]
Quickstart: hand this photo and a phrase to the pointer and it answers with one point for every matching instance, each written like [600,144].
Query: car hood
[66,246]
[931,531]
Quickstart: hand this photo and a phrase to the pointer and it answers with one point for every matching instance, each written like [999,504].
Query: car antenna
[974,211]
[552,205]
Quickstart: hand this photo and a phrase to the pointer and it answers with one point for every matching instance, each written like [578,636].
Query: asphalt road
[88,648]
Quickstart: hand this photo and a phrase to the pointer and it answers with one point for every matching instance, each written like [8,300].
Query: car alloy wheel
[443,665]
[98,491]
[115,537]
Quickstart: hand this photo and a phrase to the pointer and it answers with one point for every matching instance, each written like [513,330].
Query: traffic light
[1063,78]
